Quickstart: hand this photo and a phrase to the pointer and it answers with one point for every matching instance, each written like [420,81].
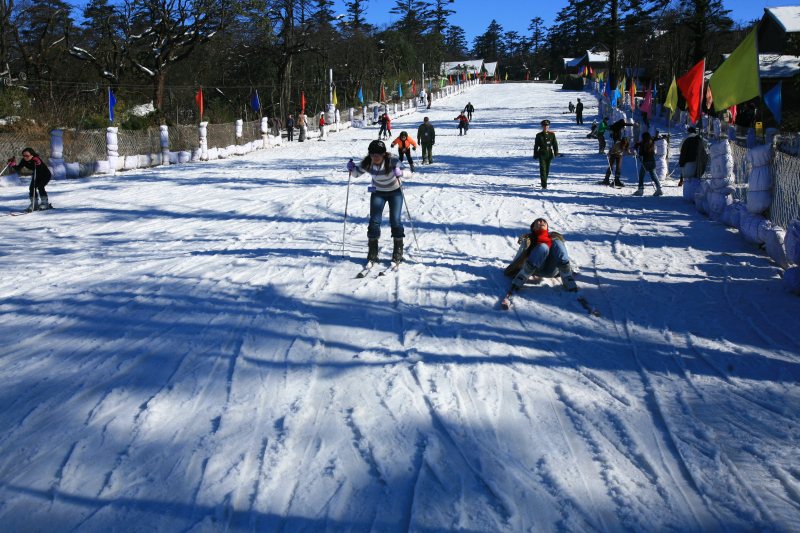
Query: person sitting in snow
[542,254]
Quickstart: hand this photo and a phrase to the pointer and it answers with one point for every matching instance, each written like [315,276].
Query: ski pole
[346,202]
[4,168]
[410,220]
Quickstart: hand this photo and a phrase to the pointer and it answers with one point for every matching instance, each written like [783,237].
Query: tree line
[57,62]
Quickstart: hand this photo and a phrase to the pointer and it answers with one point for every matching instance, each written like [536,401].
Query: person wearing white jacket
[385,171]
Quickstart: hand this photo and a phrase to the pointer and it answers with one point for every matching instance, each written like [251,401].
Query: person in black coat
[41,177]
[579,112]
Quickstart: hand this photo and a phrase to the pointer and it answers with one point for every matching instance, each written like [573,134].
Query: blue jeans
[377,201]
[546,262]
[650,167]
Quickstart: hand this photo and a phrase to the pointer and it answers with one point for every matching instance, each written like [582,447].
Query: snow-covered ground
[186,349]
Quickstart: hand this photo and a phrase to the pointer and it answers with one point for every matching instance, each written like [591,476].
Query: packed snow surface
[185,348]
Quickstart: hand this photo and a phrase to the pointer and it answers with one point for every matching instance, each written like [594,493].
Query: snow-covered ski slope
[186,349]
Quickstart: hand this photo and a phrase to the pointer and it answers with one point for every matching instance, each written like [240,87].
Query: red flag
[733,114]
[383,94]
[691,86]
[302,102]
[414,87]
[198,98]
[450,80]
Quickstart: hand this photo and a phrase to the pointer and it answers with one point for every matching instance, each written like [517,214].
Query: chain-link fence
[84,146]
[139,142]
[12,144]
[786,194]
[788,143]
[251,131]
[221,135]
[741,170]
[184,138]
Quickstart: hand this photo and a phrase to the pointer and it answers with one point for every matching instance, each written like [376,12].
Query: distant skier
[601,135]
[386,188]
[302,123]
[39,180]
[463,124]
[322,127]
[426,135]
[545,149]
[404,145]
[579,112]
[571,107]
[289,128]
[469,109]
[543,254]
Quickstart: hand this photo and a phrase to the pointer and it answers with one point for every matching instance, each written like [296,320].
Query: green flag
[672,97]
[736,80]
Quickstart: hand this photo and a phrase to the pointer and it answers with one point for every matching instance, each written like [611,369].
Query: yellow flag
[737,79]
[671,102]
[335,100]
[506,75]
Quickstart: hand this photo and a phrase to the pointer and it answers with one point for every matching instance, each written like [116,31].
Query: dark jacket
[426,134]
[43,174]
[647,150]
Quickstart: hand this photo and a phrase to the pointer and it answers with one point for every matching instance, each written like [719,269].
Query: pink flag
[648,100]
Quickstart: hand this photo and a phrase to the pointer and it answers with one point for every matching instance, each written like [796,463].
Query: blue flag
[360,95]
[773,101]
[614,96]
[112,101]
[255,103]
[399,89]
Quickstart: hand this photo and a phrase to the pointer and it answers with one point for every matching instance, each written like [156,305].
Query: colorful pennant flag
[383,93]
[255,103]
[112,101]
[399,89]
[737,79]
[198,98]
[360,95]
[691,86]
[773,100]
[671,102]
[335,99]
[302,102]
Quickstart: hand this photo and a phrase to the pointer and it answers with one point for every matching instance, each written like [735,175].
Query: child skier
[39,180]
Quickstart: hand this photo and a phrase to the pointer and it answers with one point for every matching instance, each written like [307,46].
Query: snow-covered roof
[567,61]
[776,66]
[490,68]
[788,17]
[454,67]
[597,57]
[588,57]
[574,62]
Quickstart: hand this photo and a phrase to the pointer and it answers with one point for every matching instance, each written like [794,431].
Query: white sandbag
[173,158]
[73,170]
[144,160]
[732,214]
[774,237]
[131,162]
[197,154]
[791,280]
[792,242]
[749,227]
[102,167]
[760,179]
[213,153]
[722,183]
[722,168]
[717,202]
[758,201]
[661,147]
[690,186]
[661,169]
[184,156]
[720,149]
[759,156]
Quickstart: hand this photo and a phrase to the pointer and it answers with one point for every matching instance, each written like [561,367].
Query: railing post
[57,154]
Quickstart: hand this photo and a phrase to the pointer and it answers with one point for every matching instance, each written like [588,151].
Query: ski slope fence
[75,153]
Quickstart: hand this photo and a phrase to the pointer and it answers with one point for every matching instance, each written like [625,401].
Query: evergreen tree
[489,46]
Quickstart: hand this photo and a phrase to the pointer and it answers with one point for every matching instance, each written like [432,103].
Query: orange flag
[691,86]
[302,102]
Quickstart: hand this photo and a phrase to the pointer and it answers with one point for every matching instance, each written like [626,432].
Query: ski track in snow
[185,348]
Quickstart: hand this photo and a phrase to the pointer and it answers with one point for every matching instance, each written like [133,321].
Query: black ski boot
[617,182]
[397,253]
[372,253]
[44,203]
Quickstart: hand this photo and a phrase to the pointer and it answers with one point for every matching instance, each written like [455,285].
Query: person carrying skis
[469,109]
[615,162]
[647,151]
[542,253]
[386,188]
[463,124]
[404,145]
[41,177]
[545,148]
[427,138]
[579,112]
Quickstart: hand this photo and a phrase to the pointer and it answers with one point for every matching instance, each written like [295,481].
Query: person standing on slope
[41,177]
[543,254]
[302,123]
[386,186]
[545,148]
[404,145]
[647,151]
[469,109]
[615,160]
[579,112]
[426,135]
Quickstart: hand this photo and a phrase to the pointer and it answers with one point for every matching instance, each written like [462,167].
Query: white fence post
[112,149]
[265,131]
[164,144]
[203,132]
[57,154]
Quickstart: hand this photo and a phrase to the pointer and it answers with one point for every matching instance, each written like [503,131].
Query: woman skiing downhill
[385,172]
[542,253]
[41,177]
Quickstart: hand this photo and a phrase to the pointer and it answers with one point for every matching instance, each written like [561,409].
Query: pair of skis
[18,213]
[393,267]
[506,303]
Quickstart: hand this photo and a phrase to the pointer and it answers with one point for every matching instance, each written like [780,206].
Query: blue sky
[515,15]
